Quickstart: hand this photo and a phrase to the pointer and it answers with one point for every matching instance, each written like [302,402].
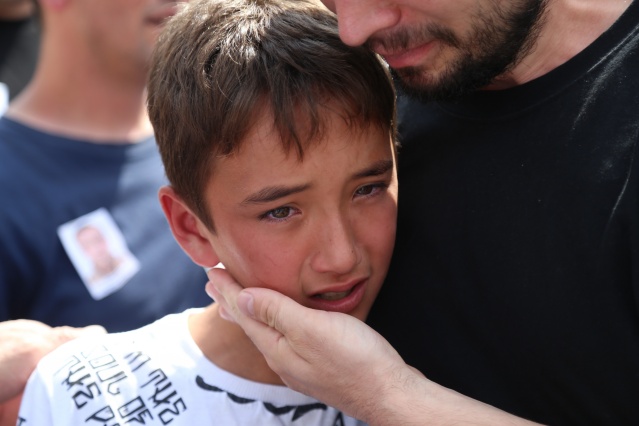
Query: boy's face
[320,230]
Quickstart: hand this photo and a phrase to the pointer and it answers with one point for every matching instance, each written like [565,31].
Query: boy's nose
[337,251]
[359,19]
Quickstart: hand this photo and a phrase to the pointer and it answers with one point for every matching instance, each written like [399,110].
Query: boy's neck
[228,347]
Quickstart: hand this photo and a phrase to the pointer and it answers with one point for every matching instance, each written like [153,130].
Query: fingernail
[246,302]
[225,315]
[211,291]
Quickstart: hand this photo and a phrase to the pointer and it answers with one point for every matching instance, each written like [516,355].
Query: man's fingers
[268,307]
[224,290]
[239,304]
[272,308]
[265,315]
[274,330]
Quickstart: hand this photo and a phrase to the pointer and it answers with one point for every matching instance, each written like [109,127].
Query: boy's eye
[279,213]
[369,189]
[365,190]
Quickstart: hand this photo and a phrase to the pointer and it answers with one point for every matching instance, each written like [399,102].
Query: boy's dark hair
[219,63]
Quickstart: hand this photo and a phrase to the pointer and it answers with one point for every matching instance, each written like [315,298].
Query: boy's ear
[190,233]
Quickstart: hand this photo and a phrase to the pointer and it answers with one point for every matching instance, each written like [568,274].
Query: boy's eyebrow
[377,169]
[272,193]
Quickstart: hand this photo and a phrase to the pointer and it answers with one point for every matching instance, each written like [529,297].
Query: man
[76,146]
[516,257]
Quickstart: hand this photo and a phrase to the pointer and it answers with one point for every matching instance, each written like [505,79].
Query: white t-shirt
[157,375]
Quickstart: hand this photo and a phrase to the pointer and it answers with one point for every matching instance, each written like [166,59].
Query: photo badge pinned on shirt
[99,252]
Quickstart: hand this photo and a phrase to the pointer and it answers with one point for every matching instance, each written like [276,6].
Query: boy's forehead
[263,157]
[305,131]
[263,147]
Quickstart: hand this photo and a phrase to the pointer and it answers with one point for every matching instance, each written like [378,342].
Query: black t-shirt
[515,278]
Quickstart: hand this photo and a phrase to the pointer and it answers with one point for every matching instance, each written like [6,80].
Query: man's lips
[410,57]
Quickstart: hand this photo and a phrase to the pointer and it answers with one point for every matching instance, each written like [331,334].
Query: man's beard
[497,42]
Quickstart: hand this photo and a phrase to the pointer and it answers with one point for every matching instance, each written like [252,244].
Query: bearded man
[514,283]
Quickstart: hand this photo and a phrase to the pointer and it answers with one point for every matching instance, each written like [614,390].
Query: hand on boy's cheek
[218,276]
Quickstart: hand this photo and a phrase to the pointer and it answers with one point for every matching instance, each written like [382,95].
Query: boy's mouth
[344,298]
[334,295]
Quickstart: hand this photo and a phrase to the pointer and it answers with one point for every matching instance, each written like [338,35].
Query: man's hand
[22,344]
[331,356]
[341,361]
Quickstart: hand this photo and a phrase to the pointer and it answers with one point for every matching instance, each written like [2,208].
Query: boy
[278,141]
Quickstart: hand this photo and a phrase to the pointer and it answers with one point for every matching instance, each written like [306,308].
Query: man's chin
[419,86]
[449,86]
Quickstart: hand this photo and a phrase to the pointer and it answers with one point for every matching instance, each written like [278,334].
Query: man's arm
[343,362]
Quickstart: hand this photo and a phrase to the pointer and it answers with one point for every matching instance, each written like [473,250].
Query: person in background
[514,280]
[279,143]
[77,148]
[19,43]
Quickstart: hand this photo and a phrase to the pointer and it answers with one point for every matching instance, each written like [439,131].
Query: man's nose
[359,19]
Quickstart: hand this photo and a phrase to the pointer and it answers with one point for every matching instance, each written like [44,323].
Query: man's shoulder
[19,143]
[10,128]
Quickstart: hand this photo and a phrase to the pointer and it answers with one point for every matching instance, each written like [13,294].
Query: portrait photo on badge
[98,251]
